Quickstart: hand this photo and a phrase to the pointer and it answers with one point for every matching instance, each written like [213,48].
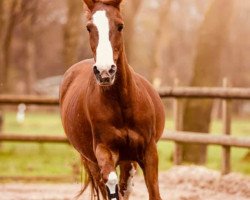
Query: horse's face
[105,27]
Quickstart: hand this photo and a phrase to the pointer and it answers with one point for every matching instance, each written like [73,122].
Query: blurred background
[197,42]
[165,39]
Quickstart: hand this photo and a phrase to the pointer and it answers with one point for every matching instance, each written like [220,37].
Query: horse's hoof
[113,195]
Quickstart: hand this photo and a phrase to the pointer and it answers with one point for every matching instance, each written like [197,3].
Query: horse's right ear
[89,3]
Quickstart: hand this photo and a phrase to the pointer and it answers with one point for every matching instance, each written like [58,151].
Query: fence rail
[178,93]
[205,92]
[29,100]
[207,139]
[8,137]
[183,137]
[168,92]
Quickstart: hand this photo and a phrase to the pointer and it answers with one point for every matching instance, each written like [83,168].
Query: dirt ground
[179,183]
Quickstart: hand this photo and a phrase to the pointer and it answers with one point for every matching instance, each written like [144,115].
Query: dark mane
[115,3]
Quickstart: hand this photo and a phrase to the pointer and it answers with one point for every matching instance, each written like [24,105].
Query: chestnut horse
[111,115]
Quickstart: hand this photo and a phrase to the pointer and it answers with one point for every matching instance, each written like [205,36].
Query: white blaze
[130,183]
[104,51]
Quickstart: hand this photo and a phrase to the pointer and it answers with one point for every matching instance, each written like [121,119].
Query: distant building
[48,86]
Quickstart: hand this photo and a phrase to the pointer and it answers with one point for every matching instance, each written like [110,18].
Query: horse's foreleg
[106,161]
[127,172]
[150,171]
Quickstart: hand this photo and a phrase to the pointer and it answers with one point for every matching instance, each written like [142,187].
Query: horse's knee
[106,161]
[106,170]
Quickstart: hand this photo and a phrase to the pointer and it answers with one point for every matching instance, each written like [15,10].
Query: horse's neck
[124,79]
[124,85]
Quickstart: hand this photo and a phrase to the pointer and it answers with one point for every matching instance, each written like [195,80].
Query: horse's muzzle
[104,77]
[106,81]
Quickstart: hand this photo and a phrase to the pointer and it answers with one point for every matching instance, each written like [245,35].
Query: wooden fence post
[178,126]
[1,124]
[226,118]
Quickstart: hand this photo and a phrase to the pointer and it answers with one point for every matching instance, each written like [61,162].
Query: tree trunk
[10,19]
[197,113]
[1,60]
[8,11]
[131,10]
[30,48]
[1,46]
[72,32]
[158,44]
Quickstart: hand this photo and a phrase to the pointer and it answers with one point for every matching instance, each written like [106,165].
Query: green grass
[37,160]
[40,123]
[25,159]
[240,128]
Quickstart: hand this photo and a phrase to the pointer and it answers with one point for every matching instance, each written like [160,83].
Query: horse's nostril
[96,71]
[106,80]
[112,70]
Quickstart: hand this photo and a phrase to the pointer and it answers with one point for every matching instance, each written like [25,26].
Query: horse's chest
[114,113]
[127,128]
[123,126]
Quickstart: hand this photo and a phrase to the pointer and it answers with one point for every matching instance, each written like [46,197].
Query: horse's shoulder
[79,69]
[83,65]
[145,83]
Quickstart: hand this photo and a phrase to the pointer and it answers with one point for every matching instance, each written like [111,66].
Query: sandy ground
[179,183]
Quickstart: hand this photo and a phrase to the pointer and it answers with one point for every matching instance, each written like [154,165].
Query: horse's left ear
[118,2]
[89,3]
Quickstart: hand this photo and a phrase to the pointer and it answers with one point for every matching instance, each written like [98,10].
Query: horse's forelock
[90,3]
[110,2]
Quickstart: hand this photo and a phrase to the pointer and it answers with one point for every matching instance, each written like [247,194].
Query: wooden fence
[177,93]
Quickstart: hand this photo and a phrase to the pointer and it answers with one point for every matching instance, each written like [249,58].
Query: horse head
[105,25]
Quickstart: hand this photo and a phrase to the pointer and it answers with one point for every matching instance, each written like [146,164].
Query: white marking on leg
[130,182]
[112,183]
[104,51]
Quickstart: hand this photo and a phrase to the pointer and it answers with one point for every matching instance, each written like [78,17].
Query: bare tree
[9,18]
[72,32]
[157,44]
[1,46]
[131,9]
[29,13]
[206,72]
[1,65]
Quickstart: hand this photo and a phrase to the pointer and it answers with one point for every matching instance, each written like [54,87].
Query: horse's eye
[120,27]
